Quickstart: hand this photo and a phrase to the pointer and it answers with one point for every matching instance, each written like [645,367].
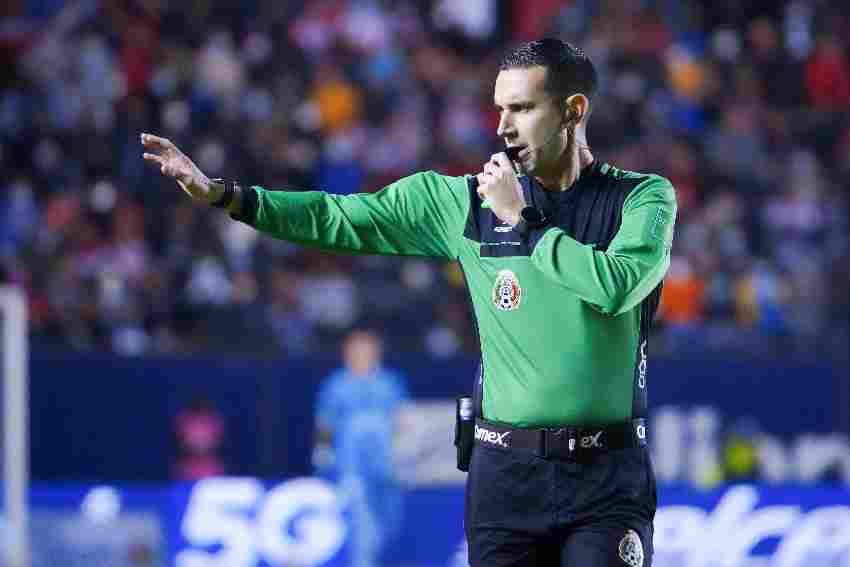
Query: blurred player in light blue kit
[356,415]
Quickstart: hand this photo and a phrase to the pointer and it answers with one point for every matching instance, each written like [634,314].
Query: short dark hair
[569,70]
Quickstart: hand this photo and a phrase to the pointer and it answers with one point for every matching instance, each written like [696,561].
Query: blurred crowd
[743,105]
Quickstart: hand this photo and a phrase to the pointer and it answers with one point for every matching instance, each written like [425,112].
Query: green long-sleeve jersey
[562,313]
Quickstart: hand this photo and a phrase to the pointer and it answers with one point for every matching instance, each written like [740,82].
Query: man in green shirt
[564,264]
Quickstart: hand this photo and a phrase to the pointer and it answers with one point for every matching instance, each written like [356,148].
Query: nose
[505,129]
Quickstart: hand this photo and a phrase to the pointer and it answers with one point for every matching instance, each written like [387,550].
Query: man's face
[530,117]
[362,352]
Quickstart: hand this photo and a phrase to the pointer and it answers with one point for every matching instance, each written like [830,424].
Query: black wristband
[227,197]
[530,218]
[521,227]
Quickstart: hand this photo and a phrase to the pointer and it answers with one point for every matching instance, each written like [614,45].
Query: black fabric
[250,205]
[522,510]
[565,443]
[534,236]
[478,391]
[508,249]
[590,212]
[648,308]
[472,230]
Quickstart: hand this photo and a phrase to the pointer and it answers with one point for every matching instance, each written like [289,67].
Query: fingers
[498,167]
[155,142]
[484,178]
[490,168]
[482,183]
[499,164]
[159,160]
[165,169]
[154,158]
[502,160]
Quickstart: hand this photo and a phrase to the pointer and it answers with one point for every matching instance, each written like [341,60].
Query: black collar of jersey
[589,212]
[498,239]
[550,201]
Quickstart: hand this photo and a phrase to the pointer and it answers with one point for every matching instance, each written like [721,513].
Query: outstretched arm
[422,214]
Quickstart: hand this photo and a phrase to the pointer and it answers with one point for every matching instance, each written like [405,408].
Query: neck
[363,371]
[573,160]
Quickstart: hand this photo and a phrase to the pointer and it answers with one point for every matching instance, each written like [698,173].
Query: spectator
[828,76]
[683,296]
[740,453]
[200,430]
[761,296]
[746,111]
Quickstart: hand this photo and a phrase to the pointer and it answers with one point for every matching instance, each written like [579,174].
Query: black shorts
[524,510]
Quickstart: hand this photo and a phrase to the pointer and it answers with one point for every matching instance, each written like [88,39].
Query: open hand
[498,185]
[175,164]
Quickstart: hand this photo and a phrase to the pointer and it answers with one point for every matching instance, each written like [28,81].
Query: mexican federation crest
[631,549]
[507,293]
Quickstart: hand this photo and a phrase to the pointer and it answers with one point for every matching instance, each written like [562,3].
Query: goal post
[15,352]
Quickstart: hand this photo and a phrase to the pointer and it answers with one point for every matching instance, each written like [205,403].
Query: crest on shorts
[631,549]
[507,293]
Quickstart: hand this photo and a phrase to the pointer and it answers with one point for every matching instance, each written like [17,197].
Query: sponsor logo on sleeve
[661,227]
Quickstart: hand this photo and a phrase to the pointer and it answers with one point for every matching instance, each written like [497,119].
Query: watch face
[533,216]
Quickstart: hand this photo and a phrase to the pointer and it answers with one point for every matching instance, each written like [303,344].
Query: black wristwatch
[227,197]
[530,218]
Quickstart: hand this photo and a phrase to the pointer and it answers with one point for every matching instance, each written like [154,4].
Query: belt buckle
[572,442]
[542,450]
[567,437]
[543,443]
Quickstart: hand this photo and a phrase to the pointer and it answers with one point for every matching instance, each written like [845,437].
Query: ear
[576,108]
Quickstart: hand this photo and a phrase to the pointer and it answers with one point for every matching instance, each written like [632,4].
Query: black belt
[562,442]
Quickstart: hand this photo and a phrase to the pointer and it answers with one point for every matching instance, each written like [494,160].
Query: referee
[564,257]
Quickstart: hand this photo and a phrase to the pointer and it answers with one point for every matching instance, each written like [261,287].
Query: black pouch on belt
[464,431]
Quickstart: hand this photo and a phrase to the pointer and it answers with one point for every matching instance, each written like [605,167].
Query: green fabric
[566,352]
[420,215]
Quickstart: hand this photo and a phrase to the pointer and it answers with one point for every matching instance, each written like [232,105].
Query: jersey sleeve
[617,279]
[420,215]
[326,404]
